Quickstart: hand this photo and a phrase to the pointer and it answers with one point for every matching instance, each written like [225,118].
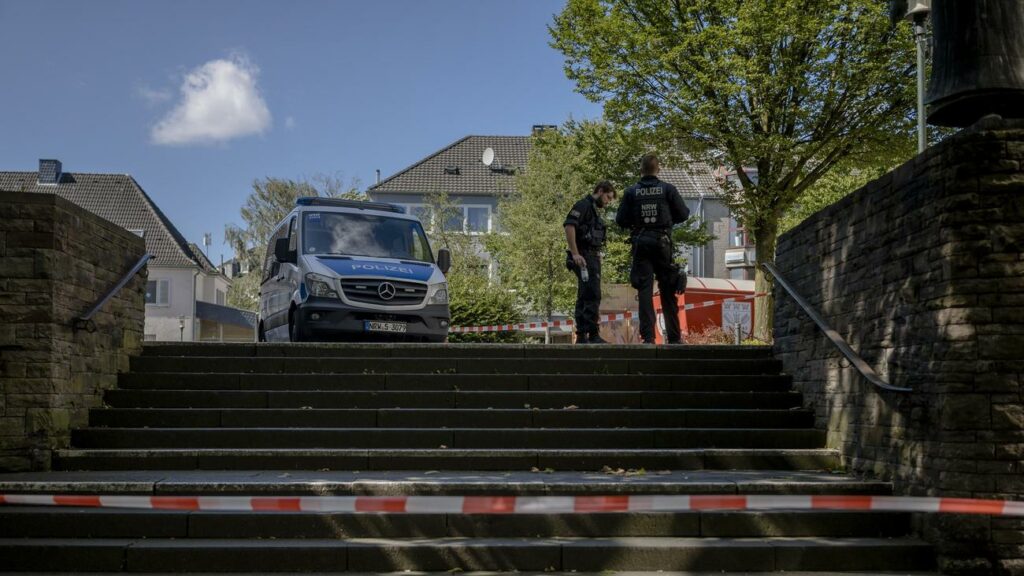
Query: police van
[354,271]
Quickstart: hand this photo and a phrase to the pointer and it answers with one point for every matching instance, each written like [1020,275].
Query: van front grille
[368,291]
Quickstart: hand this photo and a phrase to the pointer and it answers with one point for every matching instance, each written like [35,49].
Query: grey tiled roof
[697,177]
[202,260]
[429,175]
[119,199]
[225,314]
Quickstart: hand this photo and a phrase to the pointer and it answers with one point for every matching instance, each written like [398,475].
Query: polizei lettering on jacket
[382,268]
[641,192]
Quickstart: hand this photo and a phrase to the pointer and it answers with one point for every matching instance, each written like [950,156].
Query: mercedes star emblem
[386,290]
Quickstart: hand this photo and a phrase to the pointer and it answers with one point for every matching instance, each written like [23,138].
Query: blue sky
[196,99]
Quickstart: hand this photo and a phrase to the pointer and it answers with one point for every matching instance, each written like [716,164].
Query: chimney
[538,128]
[49,171]
[378,175]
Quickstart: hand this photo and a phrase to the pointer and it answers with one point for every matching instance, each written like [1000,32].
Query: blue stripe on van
[402,271]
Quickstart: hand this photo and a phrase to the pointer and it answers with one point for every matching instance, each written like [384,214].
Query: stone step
[447,382]
[448,418]
[445,459]
[527,573]
[434,365]
[455,399]
[33,522]
[470,438]
[438,483]
[447,554]
[401,350]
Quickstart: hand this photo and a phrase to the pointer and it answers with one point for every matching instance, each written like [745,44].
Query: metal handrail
[85,321]
[832,335]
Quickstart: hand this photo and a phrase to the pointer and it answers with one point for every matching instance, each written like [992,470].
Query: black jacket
[590,228]
[651,204]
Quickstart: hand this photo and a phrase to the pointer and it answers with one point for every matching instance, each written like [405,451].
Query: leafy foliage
[530,250]
[833,187]
[787,87]
[473,299]
[270,201]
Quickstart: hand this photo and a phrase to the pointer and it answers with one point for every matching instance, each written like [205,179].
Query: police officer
[585,235]
[648,209]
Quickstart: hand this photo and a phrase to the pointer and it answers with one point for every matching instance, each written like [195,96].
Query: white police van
[356,271]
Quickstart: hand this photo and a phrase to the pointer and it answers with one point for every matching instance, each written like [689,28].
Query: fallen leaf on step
[431,472]
[571,407]
[534,469]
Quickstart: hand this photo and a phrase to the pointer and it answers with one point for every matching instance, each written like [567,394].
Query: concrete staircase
[456,420]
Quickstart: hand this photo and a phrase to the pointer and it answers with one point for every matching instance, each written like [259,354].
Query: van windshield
[364,235]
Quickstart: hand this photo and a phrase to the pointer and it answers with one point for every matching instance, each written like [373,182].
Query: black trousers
[588,296]
[653,259]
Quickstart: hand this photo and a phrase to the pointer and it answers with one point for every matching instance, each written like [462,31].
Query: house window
[472,219]
[738,237]
[150,337]
[158,292]
[220,297]
[740,274]
[422,213]
[478,219]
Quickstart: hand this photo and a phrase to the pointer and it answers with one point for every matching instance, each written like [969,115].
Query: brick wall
[56,261]
[922,272]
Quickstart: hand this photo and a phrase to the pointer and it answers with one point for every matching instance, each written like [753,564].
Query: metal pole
[919,36]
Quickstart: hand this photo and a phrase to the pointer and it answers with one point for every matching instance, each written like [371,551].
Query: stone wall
[56,261]
[922,272]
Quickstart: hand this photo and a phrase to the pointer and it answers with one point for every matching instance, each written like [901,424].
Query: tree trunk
[765,237]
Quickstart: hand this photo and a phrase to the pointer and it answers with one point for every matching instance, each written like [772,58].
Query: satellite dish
[488,156]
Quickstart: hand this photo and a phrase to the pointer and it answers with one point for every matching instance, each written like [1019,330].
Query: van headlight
[438,293]
[320,285]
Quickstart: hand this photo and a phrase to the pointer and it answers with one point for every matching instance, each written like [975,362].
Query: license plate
[398,327]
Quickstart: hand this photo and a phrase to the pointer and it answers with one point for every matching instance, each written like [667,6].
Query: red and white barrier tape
[524,504]
[602,319]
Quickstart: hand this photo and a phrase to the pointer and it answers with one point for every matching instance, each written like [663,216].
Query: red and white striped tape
[601,319]
[524,504]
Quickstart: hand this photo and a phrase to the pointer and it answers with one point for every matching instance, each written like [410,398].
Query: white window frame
[427,226]
[465,218]
[166,292]
[464,208]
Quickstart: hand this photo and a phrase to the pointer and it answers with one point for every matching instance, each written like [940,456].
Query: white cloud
[289,122]
[220,101]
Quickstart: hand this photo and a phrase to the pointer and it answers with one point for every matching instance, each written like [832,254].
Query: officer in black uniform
[649,208]
[585,235]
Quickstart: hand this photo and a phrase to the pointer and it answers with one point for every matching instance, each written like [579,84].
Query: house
[185,294]
[234,268]
[458,169]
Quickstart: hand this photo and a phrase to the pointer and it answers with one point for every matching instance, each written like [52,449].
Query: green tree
[830,189]
[787,87]
[530,249]
[473,299]
[270,201]
[611,152]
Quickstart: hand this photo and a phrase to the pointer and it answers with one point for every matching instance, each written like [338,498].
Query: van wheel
[294,334]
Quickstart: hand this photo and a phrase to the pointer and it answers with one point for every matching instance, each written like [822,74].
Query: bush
[475,302]
[710,334]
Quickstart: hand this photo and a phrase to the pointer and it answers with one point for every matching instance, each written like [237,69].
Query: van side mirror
[282,253]
[444,260]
